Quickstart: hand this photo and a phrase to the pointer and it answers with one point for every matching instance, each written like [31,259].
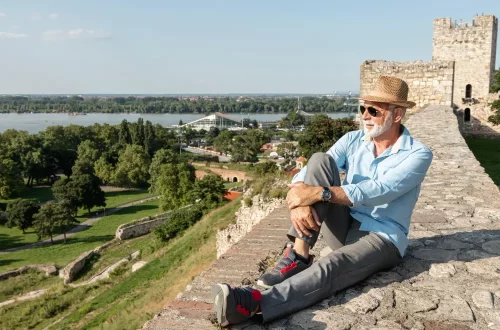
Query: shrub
[179,221]
[278,193]
[248,201]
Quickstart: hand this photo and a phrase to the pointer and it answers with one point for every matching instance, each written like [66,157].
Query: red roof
[232,195]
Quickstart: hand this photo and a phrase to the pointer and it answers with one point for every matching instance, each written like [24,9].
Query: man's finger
[311,223]
[304,229]
[315,216]
[297,229]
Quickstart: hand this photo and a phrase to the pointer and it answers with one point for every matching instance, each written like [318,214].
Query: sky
[209,46]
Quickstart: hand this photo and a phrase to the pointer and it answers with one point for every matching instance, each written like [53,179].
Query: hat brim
[405,104]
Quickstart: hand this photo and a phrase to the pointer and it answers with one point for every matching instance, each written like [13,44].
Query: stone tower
[472,45]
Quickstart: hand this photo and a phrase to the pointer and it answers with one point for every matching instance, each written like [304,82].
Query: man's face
[377,125]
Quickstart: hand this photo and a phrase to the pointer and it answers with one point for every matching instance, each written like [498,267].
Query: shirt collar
[403,142]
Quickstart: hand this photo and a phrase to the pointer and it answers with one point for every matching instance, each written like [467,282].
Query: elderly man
[365,221]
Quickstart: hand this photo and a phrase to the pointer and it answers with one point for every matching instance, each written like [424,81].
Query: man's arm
[395,183]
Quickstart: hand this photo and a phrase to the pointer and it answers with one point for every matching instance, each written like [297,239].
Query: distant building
[268,124]
[218,119]
[300,162]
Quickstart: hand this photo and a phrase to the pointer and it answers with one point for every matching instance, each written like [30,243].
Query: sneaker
[234,305]
[288,266]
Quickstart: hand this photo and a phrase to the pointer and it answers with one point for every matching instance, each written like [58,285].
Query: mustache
[368,122]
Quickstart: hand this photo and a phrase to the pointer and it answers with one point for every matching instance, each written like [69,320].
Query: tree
[20,213]
[87,150]
[495,105]
[209,191]
[68,193]
[11,181]
[45,221]
[322,132]
[90,191]
[162,156]
[292,120]
[223,141]
[124,134]
[173,183]
[286,149]
[104,170]
[52,216]
[132,167]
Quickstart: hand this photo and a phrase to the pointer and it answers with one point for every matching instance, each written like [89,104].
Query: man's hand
[305,218]
[301,194]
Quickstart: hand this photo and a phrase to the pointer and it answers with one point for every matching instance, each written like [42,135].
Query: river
[36,122]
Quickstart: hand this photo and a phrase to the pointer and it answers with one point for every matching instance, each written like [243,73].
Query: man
[365,221]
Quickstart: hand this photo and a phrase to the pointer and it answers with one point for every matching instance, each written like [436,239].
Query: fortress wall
[429,82]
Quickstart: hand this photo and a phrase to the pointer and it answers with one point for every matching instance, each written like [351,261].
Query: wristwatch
[326,194]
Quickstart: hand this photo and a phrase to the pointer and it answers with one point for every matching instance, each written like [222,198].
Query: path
[450,277]
[82,226]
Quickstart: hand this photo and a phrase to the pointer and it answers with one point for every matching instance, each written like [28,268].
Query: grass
[13,237]
[60,254]
[41,193]
[133,301]
[233,185]
[30,281]
[487,152]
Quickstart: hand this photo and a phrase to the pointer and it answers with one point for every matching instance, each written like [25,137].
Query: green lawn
[60,254]
[487,152]
[42,194]
[127,300]
[233,185]
[13,237]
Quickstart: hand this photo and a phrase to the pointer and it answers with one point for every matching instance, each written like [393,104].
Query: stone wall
[246,218]
[139,228]
[473,48]
[479,124]
[429,82]
[226,175]
[47,269]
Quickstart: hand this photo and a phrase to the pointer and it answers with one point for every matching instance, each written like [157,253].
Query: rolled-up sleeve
[394,183]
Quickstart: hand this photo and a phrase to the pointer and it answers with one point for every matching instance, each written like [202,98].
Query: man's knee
[319,159]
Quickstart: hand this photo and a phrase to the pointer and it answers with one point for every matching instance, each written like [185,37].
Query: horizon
[216,48]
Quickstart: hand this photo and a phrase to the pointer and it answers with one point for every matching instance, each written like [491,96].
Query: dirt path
[82,226]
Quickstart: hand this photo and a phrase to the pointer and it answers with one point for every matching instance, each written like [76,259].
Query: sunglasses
[371,110]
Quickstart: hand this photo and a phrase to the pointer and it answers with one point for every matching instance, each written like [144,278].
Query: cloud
[9,35]
[3,15]
[56,35]
[36,16]
[53,16]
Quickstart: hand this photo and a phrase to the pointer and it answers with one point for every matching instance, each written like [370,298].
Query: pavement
[449,278]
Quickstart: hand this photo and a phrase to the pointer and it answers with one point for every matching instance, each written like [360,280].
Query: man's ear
[398,114]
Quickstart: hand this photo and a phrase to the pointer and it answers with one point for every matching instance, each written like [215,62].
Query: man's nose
[365,115]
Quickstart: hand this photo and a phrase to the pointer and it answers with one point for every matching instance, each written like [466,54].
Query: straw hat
[390,90]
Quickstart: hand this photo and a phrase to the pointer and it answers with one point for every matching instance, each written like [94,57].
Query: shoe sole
[219,295]
[262,284]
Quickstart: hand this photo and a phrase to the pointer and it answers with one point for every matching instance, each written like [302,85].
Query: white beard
[378,130]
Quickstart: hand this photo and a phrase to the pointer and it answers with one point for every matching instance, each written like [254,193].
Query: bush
[278,193]
[179,221]
[248,201]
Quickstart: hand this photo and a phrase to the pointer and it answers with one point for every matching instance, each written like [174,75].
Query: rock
[384,278]
[454,308]
[483,267]
[452,244]
[439,255]
[135,255]
[442,270]
[471,255]
[316,319]
[325,251]
[387,325]
[69,272]
[483,299]
[138,265]
[492,247]
[412,302]
[360,303]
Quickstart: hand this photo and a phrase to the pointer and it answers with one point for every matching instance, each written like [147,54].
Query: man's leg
[366,255]
[322,171]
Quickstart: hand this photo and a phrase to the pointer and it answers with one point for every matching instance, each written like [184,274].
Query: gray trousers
[356,254]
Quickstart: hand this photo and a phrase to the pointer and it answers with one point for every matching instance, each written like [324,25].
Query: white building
[219,120]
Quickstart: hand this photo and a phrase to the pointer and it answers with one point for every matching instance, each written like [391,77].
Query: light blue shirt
[383,190]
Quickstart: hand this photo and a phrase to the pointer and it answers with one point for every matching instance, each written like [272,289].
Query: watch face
[326,195]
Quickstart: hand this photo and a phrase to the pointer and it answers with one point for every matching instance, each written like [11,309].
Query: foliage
[209,191]
[265,168]
[248,201]
[132,168]
[322,132]
[167,105]
[495,86]
[11,181]
[286,149]
[20,213]
[81,190]
[178,222]
[292,120]
[174,183]
[162,156]
[495,106]
[51,216]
